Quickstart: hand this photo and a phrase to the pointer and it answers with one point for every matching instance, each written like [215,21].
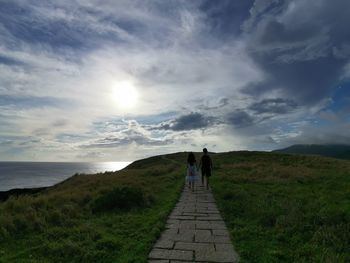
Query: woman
[191,170]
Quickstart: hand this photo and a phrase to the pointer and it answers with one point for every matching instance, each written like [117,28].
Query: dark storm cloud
[307,82]
[222,103]
[190,121]
[10,61]
[275,32]
[301,50]
[225,17]
[240,119]
[274,106]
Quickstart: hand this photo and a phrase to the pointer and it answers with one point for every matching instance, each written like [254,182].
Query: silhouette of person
[191,170]
[206,166]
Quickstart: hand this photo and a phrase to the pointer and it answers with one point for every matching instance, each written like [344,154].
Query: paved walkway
[195,232]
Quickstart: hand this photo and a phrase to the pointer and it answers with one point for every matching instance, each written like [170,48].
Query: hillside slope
[285,208]
[278,208]
[106,217]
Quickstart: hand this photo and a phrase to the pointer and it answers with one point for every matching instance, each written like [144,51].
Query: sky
[119,80]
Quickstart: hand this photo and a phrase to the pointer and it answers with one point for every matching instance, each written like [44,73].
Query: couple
[205,164]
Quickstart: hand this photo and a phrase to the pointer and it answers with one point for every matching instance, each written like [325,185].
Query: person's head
[191,159]
[205,150]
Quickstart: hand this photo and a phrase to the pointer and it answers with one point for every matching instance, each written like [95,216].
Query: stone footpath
[195,232]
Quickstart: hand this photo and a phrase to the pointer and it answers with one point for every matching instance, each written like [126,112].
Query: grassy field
[285,208]
[110,217]
[278,208]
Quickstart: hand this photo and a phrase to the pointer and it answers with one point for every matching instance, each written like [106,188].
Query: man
[206,165]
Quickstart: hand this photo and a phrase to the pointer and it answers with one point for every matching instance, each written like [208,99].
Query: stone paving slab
[159,253]
[195,232]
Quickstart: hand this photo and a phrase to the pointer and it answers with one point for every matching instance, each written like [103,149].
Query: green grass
[110,217]
[278,208]
[285,208]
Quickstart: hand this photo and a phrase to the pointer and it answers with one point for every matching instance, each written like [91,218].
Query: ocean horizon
[16,174]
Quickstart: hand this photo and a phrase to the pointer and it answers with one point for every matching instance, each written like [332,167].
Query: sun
[125,94]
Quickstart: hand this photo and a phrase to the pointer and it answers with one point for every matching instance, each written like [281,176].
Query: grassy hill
[109,217]
[341,151]
[285,208]
[278,208]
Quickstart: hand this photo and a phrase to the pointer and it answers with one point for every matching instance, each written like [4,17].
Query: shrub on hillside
[121,198]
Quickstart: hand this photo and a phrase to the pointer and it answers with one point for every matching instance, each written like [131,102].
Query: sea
[41,174]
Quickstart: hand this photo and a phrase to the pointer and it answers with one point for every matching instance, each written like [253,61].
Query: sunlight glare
[125,94]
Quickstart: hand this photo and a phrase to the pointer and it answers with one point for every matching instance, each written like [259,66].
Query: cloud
[10,61]
[129,138]
[235,74]
[221,103]
[92,155]
[293,42]
[60,122]
[315,134]
[274,106]
[60,25]
[22,102]
[125,133]
[220,19]
[190,121]
[240,119]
